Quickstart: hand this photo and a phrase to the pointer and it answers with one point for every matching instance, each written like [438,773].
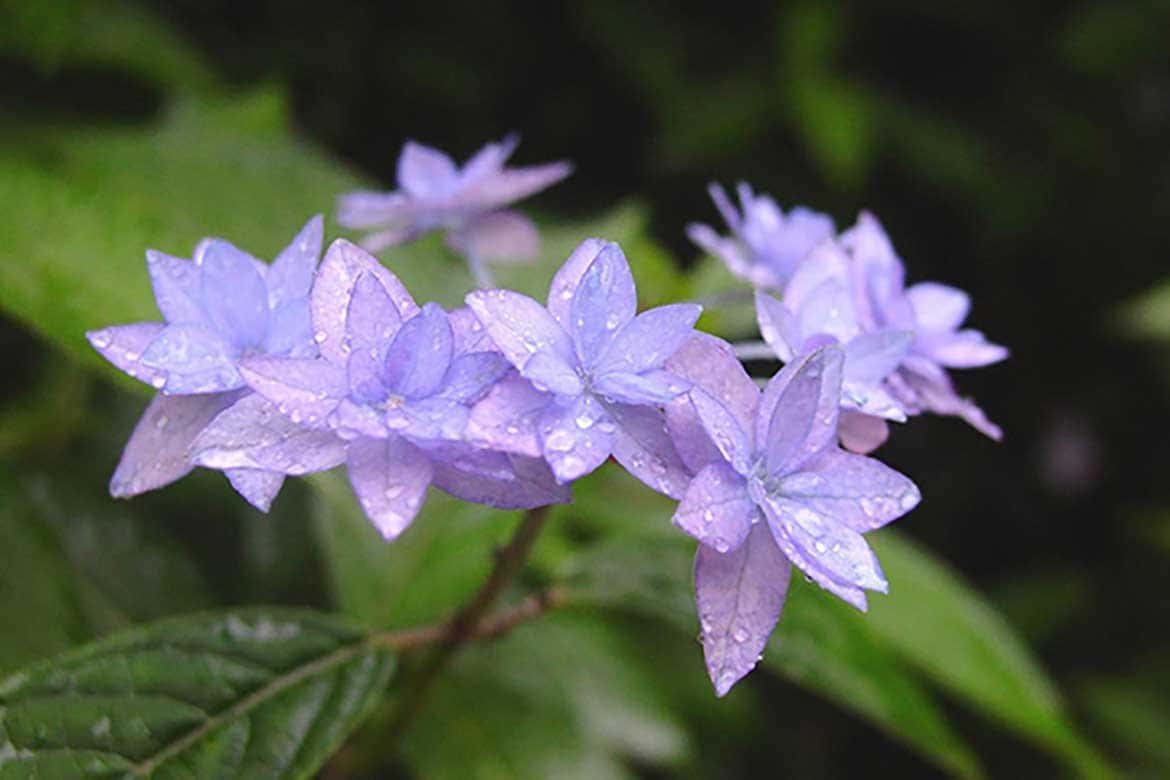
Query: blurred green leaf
[244,693]
[1148,315]
[936,622]
[1133,714]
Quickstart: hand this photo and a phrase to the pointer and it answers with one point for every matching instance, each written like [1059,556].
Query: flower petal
[548,371]
[420,354]
[234,295]
[861,433]
[871,357]
[305,389]
[194,359]
[778,327]
[576,438]
[652,337]
[798,412]
[568,278]
[717,509]
[965,349]
[429,420]
[371,319]
[426,172]
[498,237]
[156,454]
[366,209]
[519,326]
[177,287]
[604,302]
[507,418]
[710,363]
[938,307]
[490,159]
[123,346]
[860,492]
[290,277]
[529,482]
[291,331]
[650,388]
[734,443]
[470,335]
[510,185]
[643,446]
[259,488]
[390,479]
[739,595]
[472,375]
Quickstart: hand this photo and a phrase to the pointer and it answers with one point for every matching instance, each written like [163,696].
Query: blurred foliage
[1016,151]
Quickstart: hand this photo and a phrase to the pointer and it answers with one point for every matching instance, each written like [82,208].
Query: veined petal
[871,357]
[861,433]
[548,370]
[605,302]
[576,438]
[519,326]
[258,488]
[529,482]
[938,307]
[291,331]
[798,412]
[778,327]
[739,595]
[177,287]
[234,295]
[429,420]
[734,443]
[507,418]
[420,354]
[371,319]
[305,389]
[710,363]
[426,172]
[470,335]
[472,375]
[564,284]
[860,492]
[649,339]
[498,237]
[290,277]
[651,388]
[390,479]
[194,359]
[253,434]
[123,346]
[643,446]
[333,288]
[156,454]
[717,509]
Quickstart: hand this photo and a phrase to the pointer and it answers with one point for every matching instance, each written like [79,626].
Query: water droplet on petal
[158,382]
[584,421]
[320,337]
[162,422]
[740,635]
[393,491]
[101,339]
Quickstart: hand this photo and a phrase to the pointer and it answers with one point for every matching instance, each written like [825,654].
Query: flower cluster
[269,370]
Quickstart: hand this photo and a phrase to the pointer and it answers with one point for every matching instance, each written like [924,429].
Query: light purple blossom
[599,367]
[218,307]
[766,246]
[775,490]
[934,312]
[388,395]
[467,203]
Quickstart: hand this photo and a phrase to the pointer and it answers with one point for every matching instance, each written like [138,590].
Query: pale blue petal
[291,331]
[290,277]
[177,287]
[528,482]
[653,388]
[508,417]
[371,319]
[853,490]
[549,371]
[576,438]
[123,346]
[472,375]
[778,327]
[194,358]
[642,444]
[722,427]
[420,354]
[258,488]
[798,411]
[305,389]
[651,338]
[426,172]
[519,326]
[235,295]
[568,278]
[717,509]
[605,301]
[390,479]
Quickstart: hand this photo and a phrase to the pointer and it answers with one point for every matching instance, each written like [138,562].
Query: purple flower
[933,312]
[775,490]
[598,366]
[433,193]
[766,245]
[388,395]
[218,308]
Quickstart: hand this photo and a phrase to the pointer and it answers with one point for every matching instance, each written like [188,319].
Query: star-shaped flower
[598,364]
[467,203]
[775,490]
[392,387]
[766,245]
[218,307]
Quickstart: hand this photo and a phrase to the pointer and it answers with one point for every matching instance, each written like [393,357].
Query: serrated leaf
[245,693]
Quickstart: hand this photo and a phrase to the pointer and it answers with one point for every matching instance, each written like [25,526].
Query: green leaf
[936,622]
[245,693]
[1148,315]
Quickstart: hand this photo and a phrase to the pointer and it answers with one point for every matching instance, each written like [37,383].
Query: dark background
[1021,153]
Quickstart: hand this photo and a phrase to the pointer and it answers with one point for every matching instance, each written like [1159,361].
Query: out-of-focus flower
[766,246]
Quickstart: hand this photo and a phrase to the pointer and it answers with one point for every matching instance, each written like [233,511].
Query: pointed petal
[716,508]
[548,371]
[390,479]
[305,389]
[510,185]
[651,338]
[420,354]
[826,267]
[798,412]
[365,209]
[425,172]
[644,448]
[576,438]
[965,349]
[861,433]
[193,358]
[235,295]
[605,301]
[836,557]
[471,376]
[739,595]
[490,159]
[734,443]
[871,357]
[291,331]
[505,237]
[938,307]
[651,388]
[508,417]
[524,484]
[429,420]
[371,319]
[710,363]
[123,346]
[156,454]
[253,434]
[568,278]
[290,276]
[176,285]
[937,394]
[259,488]
[778,327]
[519,326]
[344,263]
[470,335]
[860,492]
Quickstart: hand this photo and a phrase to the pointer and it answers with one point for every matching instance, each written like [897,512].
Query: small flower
[766,245]
[467,203]
[218,308]
[599,366]
[776,491]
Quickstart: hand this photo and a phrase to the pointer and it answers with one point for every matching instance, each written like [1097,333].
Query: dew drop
[392,491]
[740,635]
[611,322]
[584,421]
[158,382]
[101,339]
[320,337]
[162,422]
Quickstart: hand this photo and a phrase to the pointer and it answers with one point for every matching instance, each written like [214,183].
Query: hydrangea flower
[467,203]
[818,308]
[598,367]
[390,391]
[772,489]
[766,245]
[219,307]
[934,312]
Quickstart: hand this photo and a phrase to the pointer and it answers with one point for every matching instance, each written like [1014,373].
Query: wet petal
[604,302]
[508,417]
[290,276]
[871,357]
[426,172]
[259,488]
[653,388]
[428,420]
[798,411]
[291,331]
[739,595]
[576,438]
[778,327]
[470,335]
[420,354]
[643,446]
[651,338]
[371,319]
[734,443]
[710,363]
[390,479]
[234,295]
[716,508]
[123,346]
[859,492]
[548,371]
[528,482]
[471,376]
[519,326]
[568,278]
[305,389]
[177,287]
[194,359]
